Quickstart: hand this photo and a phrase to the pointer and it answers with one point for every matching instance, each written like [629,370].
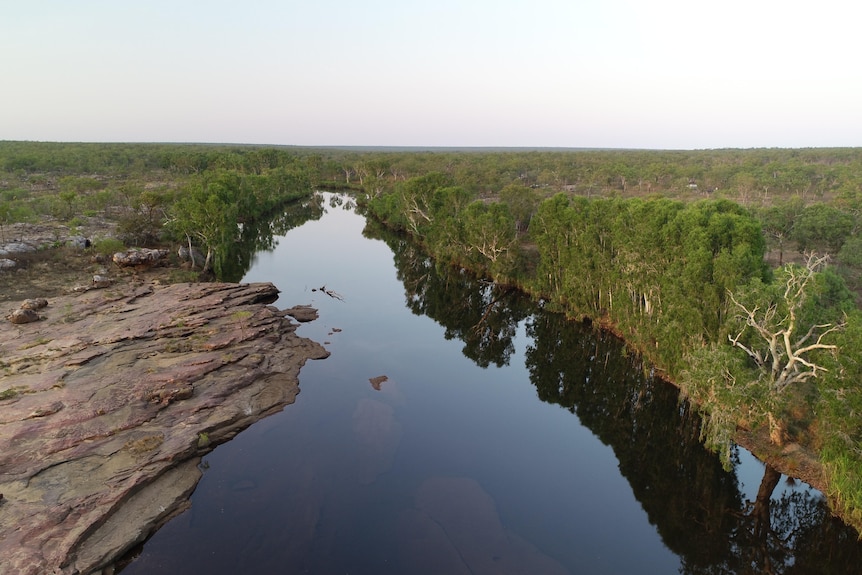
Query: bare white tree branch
[773,350]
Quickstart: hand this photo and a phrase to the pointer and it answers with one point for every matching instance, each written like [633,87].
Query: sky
[651,74]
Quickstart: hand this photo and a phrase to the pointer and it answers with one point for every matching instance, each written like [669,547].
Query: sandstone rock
[302,313]
[16,248]
[36,303]
[107,400]
[100,281]
[139,257]
[22,316]
[78,242]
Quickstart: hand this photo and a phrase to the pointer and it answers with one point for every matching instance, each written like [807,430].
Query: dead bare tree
[417,214]
[780,348]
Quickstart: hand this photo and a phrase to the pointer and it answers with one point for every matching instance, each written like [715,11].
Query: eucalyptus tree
[489,236]
[822,226]
[778,221]
[522,202]
[206,213]
[771,327]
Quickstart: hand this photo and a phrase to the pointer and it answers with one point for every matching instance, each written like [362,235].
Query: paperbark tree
[204,215]
[489,230]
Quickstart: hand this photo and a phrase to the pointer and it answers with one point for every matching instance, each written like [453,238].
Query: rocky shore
[109,400]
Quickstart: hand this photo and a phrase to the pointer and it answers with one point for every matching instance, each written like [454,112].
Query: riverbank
[792,457]
[795,460]
[109,400]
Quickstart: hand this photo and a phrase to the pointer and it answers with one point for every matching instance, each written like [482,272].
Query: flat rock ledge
[108,402]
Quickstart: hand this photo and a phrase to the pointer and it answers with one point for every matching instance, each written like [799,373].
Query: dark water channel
[503,440]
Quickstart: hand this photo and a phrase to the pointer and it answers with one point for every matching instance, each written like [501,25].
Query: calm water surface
[503,440]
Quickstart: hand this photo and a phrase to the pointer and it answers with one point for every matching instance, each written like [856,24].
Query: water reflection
[482,314]
[262,235]
[697,507]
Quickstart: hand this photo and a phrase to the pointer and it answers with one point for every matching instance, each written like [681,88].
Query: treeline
[132,158]
[805,199]
[213,208]
[658,271]
[211,198]
[589,373]
[748,176]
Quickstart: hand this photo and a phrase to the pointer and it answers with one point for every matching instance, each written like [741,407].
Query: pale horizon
[616,74]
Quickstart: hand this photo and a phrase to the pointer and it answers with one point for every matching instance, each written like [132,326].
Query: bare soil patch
[55,267]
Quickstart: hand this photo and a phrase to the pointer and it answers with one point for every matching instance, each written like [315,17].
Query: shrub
[109,246]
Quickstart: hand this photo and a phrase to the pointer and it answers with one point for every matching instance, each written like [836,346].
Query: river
[459,428]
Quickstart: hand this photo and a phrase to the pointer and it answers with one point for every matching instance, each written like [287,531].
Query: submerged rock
[105,403]
[455,528]
[302,313]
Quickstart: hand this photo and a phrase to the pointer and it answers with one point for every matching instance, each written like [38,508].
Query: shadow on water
[697,507]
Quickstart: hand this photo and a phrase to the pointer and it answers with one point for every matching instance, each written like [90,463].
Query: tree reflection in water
[261,235]
[696,506]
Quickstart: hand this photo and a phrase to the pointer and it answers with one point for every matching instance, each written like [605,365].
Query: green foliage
[489,237]
[142,223]
[778,220]
[851,252]
[522,203]
[839,409]
[727,392]
[13,212]
[203,440]
[787,326]
[822,227]
[660,269]
[206,213]
[796,351]
[628,237]
[661,272]
[212,206]
[108,247]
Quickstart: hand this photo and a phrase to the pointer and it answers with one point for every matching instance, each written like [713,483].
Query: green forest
[735,274]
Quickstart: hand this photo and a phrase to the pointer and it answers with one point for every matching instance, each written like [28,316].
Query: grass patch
[12,392]
[842,465]
[203,439]
[177,346]
[145,444]
[178,276]
[36,343]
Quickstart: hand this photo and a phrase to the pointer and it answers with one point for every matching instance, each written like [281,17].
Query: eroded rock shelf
[108,402]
